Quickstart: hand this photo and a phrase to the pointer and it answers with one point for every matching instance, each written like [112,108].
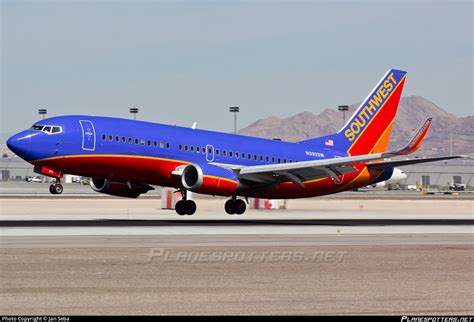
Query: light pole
[451,144]
[235,110]
[43,112]
[343,108]
[134,111]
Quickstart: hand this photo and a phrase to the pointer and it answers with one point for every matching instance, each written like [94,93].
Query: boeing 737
[127,158]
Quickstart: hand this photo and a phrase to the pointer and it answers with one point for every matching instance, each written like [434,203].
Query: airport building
[13,168]
[435,175]
[440,175]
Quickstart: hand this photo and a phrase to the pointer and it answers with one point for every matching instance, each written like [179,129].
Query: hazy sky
[187,61]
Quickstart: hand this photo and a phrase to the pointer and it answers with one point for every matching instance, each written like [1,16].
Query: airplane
[127,158]
[397,176]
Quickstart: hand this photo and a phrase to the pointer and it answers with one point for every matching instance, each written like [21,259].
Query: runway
[111,256]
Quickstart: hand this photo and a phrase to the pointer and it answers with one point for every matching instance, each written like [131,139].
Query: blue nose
[20,144]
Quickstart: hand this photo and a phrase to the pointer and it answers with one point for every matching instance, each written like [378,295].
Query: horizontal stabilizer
[416,141]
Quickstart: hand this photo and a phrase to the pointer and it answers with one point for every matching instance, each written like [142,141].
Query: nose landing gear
[235,206]
[184,206]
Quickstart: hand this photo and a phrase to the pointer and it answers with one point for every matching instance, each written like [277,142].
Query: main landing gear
[235,206]
[184,206]
[56,188]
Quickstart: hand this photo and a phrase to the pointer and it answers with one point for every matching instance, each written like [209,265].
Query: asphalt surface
[402,280]
[110,256]
[136,241]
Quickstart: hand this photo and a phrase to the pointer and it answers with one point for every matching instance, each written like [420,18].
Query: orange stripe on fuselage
[213,185]
[152,170]
[157,171]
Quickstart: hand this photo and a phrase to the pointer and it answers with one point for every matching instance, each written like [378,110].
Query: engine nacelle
[209,179]
[120,189]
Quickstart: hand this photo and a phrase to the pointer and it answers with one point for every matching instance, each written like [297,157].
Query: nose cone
[20,144]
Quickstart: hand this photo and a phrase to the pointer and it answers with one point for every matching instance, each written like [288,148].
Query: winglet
[415,142]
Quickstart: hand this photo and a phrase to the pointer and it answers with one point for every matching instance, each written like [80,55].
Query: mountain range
[447,132]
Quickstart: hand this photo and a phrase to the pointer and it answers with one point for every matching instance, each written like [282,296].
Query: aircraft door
[88,135]
[209,153]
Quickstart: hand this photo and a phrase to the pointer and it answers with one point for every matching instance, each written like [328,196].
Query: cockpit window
[50,129]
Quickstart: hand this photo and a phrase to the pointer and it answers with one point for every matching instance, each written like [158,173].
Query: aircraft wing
[396,163]
[299,172]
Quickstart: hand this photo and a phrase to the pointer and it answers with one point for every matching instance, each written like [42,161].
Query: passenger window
[267,159]
[273,159]
[149,143]
[237,155]
[130,140]
[255,157]
[203,150]
[111,138]
[185,148]
[142,142]
[117,139]
[192,148]
[284,160]
[124,139]
[180,147]
[155,143]
[168,145]
[261,158]
[136,141]
[217,152]
[224,153]
[162,145]
[103,137]
[197,149]
[249,156]
[230,154]
[279,160]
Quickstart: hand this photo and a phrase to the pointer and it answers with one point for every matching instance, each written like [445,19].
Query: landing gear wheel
[230,206]
[240,206]
[58,189]
[180,208]
[190,207]
[52,190]
[185,207]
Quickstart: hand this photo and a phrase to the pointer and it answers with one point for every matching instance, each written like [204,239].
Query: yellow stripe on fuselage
[109,156]
[221,178]
[126,156]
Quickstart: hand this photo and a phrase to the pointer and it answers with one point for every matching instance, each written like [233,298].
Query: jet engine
[209,179]
[120,189]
